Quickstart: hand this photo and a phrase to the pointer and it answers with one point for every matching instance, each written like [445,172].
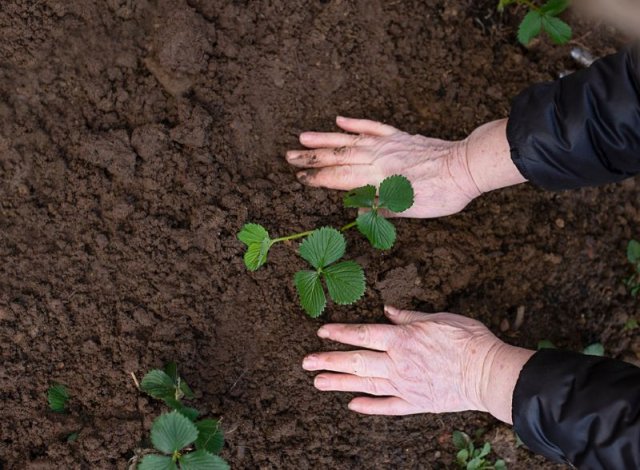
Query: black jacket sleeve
[579,409]
[581,130]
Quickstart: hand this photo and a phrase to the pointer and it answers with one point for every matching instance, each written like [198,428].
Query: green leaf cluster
[58,396]
[595,349]
[177,433]
[471,458]
[174,435]
[395,195]
[323,247]
[633,256]
[541,18]
[168,386]
[344,280]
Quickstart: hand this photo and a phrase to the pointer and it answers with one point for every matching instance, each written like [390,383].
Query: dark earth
[137,137]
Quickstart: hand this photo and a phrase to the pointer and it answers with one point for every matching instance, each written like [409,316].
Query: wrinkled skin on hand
[423,363]
[437,169]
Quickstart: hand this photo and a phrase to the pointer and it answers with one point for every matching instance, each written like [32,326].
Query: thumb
[402,317]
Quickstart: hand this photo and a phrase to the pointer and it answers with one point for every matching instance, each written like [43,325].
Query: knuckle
[358,364]
[371,386]
[363,333]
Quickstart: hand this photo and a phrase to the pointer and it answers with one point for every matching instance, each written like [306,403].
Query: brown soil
[136,137]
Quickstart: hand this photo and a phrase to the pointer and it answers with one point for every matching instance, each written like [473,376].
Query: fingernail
[320,382]
[309,361]
[351,406]
[390,311]
[323,332]
[302,176]
[292,155]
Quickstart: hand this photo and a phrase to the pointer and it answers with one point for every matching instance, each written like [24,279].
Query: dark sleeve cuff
[581,130]
[579,409]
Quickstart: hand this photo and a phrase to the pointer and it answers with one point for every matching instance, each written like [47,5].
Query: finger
[379,337]
[381,406]
[365,126]
[351,383]
[315,140]
[360,363]
[403,317]
[342,177]
[329,157]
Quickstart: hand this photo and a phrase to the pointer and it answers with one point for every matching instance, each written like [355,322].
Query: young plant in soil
[633,255]
[58,398]
[471,458]
[323,248]
[541,18]
[182,440]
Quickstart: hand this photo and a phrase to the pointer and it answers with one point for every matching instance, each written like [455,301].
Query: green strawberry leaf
[633,251]
[529,27]
[252,233]
[485,450]
[379,231]
[360,197]
[546,344]
[324,246]
[256,254]
[258,243]
[172,432]
[345,282]
[595,349]
[310,291]
[460,440]
[171,369]
[186,390]
[210,436]
[202,460]
[558,30]
[462,456]
[554,7]
[396,193]
[159,385]
[190,413]
[157,462]
[58,396]
[500,465]
[475,463]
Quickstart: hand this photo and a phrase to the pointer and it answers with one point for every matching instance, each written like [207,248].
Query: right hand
[437,169]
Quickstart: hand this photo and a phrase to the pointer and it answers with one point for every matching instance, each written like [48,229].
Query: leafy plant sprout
[541,18]
[471,458]
[633,256]
[322,248]
[58,396]
[183,441]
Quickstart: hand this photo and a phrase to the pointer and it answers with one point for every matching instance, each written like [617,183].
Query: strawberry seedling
[541,18]
[184,442]
[322,248]
[58,396]
[471,458]
[633,255]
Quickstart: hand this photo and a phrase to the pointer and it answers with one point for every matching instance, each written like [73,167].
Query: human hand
[436,168]
[423,364]
[445,175]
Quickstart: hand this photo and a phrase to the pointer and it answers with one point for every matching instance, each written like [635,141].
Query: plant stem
[348,226]
[291,237]
[530,4]
[308,232]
